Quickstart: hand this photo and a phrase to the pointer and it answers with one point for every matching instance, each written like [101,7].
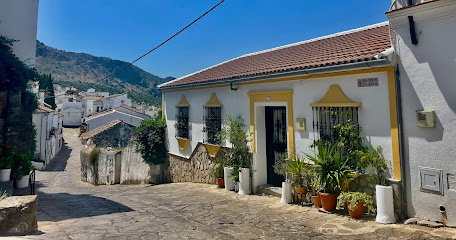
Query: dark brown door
[276,141]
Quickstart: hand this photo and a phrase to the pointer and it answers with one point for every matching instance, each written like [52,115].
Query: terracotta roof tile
[101,129]
[347,47]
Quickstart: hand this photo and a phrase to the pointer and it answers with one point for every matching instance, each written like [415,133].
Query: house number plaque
[368,82]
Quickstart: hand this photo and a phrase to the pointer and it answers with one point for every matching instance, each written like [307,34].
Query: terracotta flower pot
[221,182]
[316,201]
[357,213]
[329,201]
[301,191]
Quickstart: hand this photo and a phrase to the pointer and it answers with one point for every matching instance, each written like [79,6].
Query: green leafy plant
[299,170]
[3,195]
[93,156]
[281,166]
[235,175]
[217,172]
[353,198]
[7,156]
[180,124]
[22,166]
[349,141]
[149,138]
[332,167]
[314,178]
[235,131]
[374,158]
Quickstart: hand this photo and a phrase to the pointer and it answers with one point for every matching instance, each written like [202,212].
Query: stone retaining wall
[197,169]
[18,214]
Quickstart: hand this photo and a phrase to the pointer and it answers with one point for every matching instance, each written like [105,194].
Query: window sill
[212,149]
[182,143]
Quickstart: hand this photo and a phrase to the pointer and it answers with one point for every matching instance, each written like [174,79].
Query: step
[268,189]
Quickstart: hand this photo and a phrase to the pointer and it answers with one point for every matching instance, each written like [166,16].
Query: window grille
[212,124]
[182,122]
[326,118]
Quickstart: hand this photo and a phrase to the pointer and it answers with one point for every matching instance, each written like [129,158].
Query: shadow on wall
[62,206]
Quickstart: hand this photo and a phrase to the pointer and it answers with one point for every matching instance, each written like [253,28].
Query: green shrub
[93,156]
[150,140]
[7,156]
[22,166]
[236,132]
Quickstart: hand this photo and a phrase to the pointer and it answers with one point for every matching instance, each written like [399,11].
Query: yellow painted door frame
[273,96]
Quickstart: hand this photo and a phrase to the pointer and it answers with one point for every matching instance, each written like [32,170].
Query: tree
[47,84]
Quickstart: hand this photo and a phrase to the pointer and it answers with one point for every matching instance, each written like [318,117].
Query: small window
[212,124]
[326,118]
[182,122]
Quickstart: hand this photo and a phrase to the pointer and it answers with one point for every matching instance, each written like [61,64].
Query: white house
[49,125]
[284,95]
[127,115]
[73,114]
[18,21]
[424,39]
[119,99]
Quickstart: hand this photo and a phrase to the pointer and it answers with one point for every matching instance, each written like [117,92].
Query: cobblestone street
[70,209]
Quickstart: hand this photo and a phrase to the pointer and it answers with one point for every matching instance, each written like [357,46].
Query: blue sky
[125,30]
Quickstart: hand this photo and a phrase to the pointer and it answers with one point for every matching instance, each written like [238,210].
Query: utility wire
[161,44]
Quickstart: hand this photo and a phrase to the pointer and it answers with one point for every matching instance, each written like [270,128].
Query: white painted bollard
[385,204]
[287,196]
[227,173]
[244,181]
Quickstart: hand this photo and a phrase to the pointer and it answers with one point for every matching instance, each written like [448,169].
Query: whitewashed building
[424,39]
[124,113]
[49,127]
[284,93]
[18,21]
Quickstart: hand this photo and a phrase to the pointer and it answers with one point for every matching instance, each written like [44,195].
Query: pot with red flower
[21,171]
[7,155]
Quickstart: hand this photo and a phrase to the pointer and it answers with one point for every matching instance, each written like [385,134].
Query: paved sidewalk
[70,209]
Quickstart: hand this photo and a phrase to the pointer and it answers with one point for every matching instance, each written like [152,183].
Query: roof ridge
[100,129]
[381,24]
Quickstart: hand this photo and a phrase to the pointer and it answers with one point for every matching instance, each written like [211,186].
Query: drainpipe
[401,144]
[41,133]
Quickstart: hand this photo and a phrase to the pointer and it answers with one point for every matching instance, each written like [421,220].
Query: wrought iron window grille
[182,122]
[212,125]
[325,119]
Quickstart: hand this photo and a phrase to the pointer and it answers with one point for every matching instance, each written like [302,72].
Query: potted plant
[21,170]
[384,194]
[298,169]
[281,168]
[356,201]
[217,173]
[315,187]
[235,131]
[7,155]
[332,169]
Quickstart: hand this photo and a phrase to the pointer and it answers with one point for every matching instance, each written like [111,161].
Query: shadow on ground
[63,206]
[63,156]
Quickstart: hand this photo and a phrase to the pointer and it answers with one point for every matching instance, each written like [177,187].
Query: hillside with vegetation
[83,71]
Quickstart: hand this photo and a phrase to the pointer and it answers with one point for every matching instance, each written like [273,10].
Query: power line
[161,44]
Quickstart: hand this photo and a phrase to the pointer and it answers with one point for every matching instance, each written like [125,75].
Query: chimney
[143,107]
[42,93]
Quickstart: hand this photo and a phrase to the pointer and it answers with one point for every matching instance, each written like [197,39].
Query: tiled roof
[92,98]
[101,129]
[99,114]
[45,109]
[352,46]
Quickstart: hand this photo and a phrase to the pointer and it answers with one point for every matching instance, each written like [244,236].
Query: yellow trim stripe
[394,123]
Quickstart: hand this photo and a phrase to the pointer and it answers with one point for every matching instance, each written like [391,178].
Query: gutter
[378,63]
[401,144]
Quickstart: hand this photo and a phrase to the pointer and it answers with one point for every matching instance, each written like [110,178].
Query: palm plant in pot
[384,194]
[235,131]
[7,156]
[332,169]
[315,187]
[356,201]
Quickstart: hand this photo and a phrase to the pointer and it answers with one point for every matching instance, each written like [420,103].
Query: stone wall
[124,166]
[117,136]
[18,214]
[15,122]
[197,169]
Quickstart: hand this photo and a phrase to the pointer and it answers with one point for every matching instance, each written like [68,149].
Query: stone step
[268,189]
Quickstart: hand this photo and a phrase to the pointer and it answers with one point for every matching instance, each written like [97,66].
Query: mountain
[83,71]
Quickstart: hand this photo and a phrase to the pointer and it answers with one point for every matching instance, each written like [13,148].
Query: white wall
[374,115]
[428,82]
[72,118]
[118,101]
[18,21]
